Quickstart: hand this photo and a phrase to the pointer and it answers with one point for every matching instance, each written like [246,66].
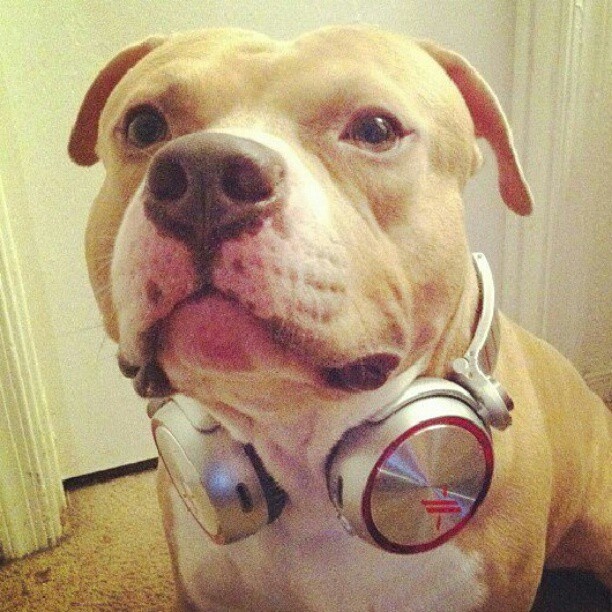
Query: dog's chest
[300,564]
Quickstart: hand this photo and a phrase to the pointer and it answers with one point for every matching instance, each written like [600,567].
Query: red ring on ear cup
[435,507]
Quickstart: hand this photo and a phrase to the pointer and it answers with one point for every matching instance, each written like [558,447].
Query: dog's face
[282,218]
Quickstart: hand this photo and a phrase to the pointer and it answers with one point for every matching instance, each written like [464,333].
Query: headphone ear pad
[222,482]
[409,482]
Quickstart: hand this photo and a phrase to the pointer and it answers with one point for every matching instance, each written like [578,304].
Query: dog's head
[283,216]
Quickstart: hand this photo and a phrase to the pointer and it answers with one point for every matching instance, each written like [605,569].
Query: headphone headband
[474,370]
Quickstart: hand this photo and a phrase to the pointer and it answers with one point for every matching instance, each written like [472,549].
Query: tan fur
[401,221]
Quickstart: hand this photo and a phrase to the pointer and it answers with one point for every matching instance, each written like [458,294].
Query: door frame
[32,499]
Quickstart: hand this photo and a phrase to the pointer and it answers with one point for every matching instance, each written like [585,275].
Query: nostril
[245,180]
[167,180]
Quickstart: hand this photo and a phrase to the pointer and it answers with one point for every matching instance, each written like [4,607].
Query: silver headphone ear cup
[410,482]
[223,483]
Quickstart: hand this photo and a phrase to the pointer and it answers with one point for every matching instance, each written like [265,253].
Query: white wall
[50,52]
[558,263]
[580,304]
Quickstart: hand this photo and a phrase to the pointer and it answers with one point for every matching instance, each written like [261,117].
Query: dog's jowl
[345,420]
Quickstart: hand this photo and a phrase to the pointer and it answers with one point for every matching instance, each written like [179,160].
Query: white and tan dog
[280,235]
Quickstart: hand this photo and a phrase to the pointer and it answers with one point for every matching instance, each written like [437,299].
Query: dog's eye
[374,132]
[145,126]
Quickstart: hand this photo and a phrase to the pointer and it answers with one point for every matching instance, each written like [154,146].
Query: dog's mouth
[219,330]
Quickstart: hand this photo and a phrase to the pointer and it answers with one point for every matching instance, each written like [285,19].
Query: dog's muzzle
[206,188]
[202,189]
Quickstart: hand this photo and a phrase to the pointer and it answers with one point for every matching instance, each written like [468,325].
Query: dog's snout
[205,187]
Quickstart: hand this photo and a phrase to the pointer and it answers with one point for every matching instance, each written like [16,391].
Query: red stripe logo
[441,506]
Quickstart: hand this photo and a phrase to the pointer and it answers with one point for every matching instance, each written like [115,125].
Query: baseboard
[601,383]
[76,482]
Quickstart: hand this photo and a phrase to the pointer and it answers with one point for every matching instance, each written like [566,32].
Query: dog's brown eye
[374,132]
[145,126]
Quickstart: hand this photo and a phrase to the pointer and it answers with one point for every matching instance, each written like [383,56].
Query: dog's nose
[206,187]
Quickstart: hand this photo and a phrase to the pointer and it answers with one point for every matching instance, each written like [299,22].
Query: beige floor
[114,558]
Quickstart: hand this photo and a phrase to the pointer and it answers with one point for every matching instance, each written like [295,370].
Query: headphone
[407,480]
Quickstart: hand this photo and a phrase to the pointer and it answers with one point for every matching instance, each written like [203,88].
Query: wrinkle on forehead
[232,54]
[211,72]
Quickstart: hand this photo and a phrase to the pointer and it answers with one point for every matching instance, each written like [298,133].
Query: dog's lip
[127,368]
[366,372]
[149,378]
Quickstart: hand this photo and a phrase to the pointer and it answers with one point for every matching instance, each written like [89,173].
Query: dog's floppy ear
[84,135]
[490,123]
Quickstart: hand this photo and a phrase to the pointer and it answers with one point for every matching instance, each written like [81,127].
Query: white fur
[284,567]
[306,560]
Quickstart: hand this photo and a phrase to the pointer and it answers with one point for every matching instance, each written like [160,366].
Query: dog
[280,237]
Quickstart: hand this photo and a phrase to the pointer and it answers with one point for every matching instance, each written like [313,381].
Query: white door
[50,53]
